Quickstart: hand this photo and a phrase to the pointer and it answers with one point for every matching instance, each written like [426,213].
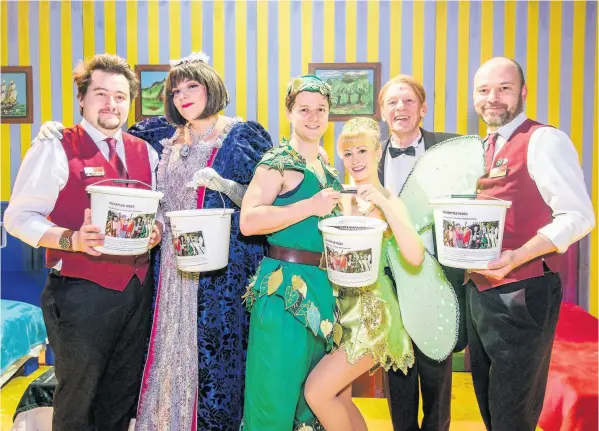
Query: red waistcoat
[111,272]
[528,212]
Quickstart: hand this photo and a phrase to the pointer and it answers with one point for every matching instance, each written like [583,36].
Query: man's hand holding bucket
[88,236]
[537,246]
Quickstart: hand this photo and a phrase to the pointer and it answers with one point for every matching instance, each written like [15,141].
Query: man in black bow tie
[395,152]
[403,106]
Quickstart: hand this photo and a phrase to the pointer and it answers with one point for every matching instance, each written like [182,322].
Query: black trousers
[99,337]
[435,384]
[510,334]
[435,379]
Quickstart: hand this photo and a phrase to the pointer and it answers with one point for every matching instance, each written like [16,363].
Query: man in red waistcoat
[97,308]
[512,308]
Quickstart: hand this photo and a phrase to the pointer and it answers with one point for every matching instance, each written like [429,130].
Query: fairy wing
[451,167]
[428,303]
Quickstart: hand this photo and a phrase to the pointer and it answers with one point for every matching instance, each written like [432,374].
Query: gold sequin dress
[371,321]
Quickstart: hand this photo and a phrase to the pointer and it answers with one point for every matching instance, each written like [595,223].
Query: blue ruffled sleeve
[241,151]
[153,130]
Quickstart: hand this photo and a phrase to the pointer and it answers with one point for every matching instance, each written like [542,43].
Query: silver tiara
[194,56]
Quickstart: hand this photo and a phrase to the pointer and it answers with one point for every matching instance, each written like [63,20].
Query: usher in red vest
[528,212]
[111,272]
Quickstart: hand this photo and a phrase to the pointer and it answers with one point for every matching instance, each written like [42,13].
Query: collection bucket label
[349,263]
[190,249]
[471,236]
[189,244]
[127,229]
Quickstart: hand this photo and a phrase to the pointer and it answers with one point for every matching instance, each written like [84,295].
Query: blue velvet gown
[222,319]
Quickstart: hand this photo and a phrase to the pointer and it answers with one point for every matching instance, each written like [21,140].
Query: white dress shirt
[43,174]
[397,169]
[396,173]
[553,165]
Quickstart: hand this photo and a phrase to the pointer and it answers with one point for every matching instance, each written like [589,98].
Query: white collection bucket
[469,232]
[352,247]
[125,217]
[201,238]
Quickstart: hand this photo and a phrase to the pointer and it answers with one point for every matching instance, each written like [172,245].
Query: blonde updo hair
[357,130]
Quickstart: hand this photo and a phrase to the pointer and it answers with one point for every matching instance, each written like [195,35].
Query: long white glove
[48,131]
[208,177]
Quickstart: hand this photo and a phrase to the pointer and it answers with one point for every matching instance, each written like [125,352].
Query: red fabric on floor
[571,399]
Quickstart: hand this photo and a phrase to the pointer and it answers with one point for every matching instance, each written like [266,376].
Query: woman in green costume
[291,300]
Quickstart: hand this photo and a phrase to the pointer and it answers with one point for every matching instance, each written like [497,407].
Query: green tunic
[293,313]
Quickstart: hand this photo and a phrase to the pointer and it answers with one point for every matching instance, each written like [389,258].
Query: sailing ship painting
[15,95]
[10,105]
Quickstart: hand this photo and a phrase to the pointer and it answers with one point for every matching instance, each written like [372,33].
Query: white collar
[508,129]
[98,136]
[415,143]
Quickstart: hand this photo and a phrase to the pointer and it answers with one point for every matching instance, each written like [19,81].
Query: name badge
[93,172]
[500,169]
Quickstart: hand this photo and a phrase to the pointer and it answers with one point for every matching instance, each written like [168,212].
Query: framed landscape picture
[150,102]
[17,94]
[355,88]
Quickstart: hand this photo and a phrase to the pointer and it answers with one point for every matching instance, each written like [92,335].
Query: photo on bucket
[189,244]
[353,249]
[471,230]
[126,217]
[129,225]
[194,231]
[349,262]
[472,236]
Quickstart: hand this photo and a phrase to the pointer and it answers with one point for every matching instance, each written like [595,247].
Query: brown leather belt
[294,255]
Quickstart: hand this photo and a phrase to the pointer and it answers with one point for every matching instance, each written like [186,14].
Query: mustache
[494,106]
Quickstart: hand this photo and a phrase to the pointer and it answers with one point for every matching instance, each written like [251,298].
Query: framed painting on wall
[17,94]
[150,101]
[355,88]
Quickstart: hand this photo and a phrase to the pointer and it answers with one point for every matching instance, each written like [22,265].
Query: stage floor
[464,411]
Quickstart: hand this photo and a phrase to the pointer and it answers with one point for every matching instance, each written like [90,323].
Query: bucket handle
[122,181]
[221,198]
[461,196]
[224,206]
[468,196]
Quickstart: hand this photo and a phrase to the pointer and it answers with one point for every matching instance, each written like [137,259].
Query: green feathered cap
[310,83]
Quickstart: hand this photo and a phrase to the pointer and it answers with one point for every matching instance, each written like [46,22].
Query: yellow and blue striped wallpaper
[258,45]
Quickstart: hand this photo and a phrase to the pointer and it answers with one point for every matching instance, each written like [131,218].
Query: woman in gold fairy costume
[373,332]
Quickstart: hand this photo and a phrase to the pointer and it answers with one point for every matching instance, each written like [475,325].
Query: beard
[111,124]
[505,117]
